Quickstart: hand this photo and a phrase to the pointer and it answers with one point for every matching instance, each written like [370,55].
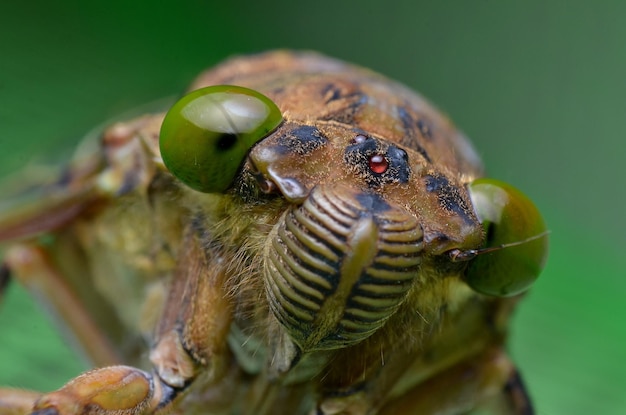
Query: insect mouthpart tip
[457,255]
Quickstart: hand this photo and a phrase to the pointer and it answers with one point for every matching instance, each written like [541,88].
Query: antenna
[456,255]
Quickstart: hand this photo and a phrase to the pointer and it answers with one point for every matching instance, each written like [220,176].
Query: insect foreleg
[109,390]
[196,317]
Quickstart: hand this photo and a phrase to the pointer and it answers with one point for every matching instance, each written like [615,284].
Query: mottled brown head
[365,215]
[374,179]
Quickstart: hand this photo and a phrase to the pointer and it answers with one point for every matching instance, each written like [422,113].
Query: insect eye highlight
[207,134]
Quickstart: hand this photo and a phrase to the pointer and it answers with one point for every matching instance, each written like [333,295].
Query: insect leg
[5,279]
[190,339]
[197,314]
[109,390]
[460,389]
[114,389]
[16,401]
[33,268]
[516,395]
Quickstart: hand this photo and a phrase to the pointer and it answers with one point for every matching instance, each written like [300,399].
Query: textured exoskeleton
[337,272]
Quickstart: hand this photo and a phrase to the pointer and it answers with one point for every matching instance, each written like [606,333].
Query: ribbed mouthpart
[339,265]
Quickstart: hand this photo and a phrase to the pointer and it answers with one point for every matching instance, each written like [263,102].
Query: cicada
[296,235]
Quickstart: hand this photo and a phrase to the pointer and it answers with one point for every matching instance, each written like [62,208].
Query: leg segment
[465,387]
[114,389]
[120,390]
[5,278]
[32,267]
[191,339]
[16,401]
[516,396]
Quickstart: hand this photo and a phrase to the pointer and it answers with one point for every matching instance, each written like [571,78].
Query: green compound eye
[517,243]
[207,134]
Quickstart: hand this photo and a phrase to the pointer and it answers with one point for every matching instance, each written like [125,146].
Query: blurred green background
[540,86]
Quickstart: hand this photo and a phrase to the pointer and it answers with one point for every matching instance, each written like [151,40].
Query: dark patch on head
[302,140]
[436,237]
[45,411]
[425,128]
[331,93]
[449,196]
[226,141]
[372,202]
[346,112]
[436,183]
[398,163]
[405,117]
[278,90]
[358,155]
[410,137]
